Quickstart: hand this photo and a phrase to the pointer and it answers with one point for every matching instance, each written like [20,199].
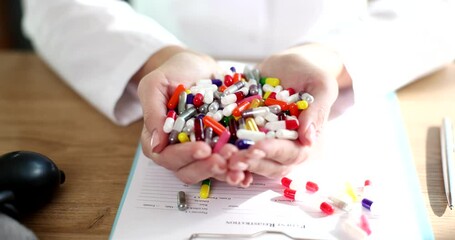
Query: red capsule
[291,91]
[289,183]
[272,95]
[172,114]
[198,129]
[290,193]
[292,124]
[198,100]
[311,186]
[228,80]
[327,208]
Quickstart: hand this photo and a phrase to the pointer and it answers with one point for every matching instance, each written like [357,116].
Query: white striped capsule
[307,97]
[214,106]
[286,134]
[260,120]
[283,95]
[227,111]
[270,134]
[290,124]
[259,111]
[179,124]
[267,88]
[275,108]
[250,135]
[169,122]
[208,96]
[278,89]
[293,98]
[228,99]
[271,117]
[245,90]
[218,115]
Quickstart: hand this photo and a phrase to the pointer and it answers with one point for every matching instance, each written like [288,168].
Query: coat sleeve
[390,43]
[96,47]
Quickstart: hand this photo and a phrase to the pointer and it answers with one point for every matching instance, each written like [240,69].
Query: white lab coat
[96,46]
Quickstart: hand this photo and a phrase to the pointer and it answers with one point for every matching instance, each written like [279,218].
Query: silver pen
[447,148]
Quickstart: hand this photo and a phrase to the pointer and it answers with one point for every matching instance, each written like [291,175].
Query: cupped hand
[191,161]
[313,69]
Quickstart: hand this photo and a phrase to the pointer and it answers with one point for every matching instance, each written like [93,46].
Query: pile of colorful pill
[346,200]
[239,108]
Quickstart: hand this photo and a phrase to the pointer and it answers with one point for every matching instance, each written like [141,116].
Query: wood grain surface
[39,112]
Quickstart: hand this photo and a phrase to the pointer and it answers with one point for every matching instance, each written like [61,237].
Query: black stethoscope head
[28,180]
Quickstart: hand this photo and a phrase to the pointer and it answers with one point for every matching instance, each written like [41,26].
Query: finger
[315,116]
[247,180]
[153,97]
[282,151]
[228,150]
[197,171]
[176,156]
[242,162]
[234,177]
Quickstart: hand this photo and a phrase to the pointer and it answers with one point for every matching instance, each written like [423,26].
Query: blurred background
[11,36]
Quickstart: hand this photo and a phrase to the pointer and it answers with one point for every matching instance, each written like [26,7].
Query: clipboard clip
[201,236]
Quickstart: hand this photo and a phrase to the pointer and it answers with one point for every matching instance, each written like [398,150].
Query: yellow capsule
[351,192]
[187,91]
[205,189]
[255,103]
[183,137]
[251,125]
[272,81]
[266,94]
[302,104]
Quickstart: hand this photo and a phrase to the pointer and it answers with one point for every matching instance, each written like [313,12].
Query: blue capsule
[243,143]
[217,82]
[189,98]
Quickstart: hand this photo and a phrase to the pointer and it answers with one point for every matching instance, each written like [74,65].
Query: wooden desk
[423,105]
[39,112]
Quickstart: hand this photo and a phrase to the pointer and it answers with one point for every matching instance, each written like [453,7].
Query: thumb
[152,95]
[313,119]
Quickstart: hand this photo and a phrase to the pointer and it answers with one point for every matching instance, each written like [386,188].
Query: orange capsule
[237,112]
[174,100]
[270,101]
[222,88]
[237,77]
[294,109]
[217,127]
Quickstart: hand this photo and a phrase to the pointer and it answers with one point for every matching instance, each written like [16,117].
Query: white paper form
[364,143]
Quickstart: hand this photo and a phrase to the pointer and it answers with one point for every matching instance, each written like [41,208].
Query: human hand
[309,68]
[192,161]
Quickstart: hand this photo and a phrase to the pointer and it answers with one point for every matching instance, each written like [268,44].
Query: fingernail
[310,134]
[229,180]
[232,179]
[154,141]
[256,154]
[155,155]
[246,184]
